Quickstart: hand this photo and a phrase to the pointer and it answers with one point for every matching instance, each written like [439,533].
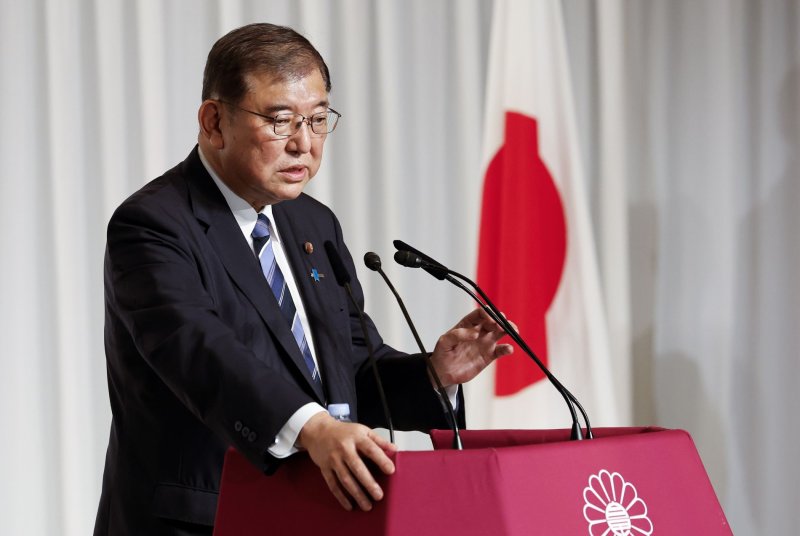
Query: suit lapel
[226,238]
[322,300]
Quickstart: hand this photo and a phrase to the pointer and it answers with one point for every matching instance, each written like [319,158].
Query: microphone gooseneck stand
[373,262]
[410,257]
[343,279]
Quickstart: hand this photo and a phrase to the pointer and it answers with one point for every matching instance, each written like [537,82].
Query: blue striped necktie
[269,265]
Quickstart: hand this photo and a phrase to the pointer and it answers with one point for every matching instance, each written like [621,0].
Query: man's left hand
[468,348]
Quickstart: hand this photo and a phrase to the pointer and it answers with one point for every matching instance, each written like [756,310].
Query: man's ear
[209,116]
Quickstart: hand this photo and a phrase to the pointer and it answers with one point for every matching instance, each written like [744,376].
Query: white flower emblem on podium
[613,507]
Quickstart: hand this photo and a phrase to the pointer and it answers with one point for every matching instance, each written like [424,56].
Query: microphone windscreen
[406,258]
[402,246]
[339,271]
[372,260]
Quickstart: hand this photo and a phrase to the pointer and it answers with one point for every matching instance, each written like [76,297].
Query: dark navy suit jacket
[199,356]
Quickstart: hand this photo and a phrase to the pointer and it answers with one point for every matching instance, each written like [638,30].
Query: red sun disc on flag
[523,243]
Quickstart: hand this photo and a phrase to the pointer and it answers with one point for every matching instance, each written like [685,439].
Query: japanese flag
[536,254]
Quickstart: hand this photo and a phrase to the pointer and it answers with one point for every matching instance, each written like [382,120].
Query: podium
[625,482]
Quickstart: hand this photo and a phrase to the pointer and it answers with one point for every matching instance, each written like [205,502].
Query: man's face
[257,165]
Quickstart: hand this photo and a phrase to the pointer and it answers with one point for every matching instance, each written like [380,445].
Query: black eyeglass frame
[304,119]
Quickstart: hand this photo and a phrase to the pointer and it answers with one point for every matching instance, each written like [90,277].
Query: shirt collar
[245,214]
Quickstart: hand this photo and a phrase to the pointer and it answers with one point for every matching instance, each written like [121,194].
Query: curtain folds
[690,129]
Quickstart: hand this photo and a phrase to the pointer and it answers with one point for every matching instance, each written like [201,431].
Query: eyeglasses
[285,125]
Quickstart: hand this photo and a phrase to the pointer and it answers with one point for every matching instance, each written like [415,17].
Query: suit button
[252,437]
[245,431]
[237,426]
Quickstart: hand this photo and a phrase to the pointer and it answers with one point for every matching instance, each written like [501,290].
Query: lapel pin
[315,275]
[309,247]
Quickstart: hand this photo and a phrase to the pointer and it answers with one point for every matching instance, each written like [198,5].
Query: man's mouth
[294,172]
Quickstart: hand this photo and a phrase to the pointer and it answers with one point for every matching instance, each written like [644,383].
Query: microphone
[373,262]
[415,258]
[343,279]
[411,260]
[428,264]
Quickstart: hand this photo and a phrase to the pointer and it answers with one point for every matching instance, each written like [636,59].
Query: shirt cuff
[452,394]
[283,446]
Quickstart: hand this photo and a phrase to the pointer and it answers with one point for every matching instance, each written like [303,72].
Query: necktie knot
[260,233]
[261,230]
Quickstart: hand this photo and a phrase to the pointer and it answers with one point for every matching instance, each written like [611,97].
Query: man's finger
[477,315]
[344,473]
[376,450]
[457,335]
[513,325]
[333,485]
[503,350]
[497,333]
[364,478]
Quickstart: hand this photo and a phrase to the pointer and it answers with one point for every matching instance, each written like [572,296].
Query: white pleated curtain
[101,96]
[689,123]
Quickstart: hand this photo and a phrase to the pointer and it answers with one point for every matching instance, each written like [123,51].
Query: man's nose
[300,141]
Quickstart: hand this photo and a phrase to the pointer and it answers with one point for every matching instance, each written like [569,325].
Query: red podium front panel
[626,482]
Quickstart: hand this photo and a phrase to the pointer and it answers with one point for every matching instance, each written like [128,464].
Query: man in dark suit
[224,324]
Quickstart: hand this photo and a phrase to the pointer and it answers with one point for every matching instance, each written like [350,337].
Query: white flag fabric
[536,256]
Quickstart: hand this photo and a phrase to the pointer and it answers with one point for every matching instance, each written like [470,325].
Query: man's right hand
[337,449]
